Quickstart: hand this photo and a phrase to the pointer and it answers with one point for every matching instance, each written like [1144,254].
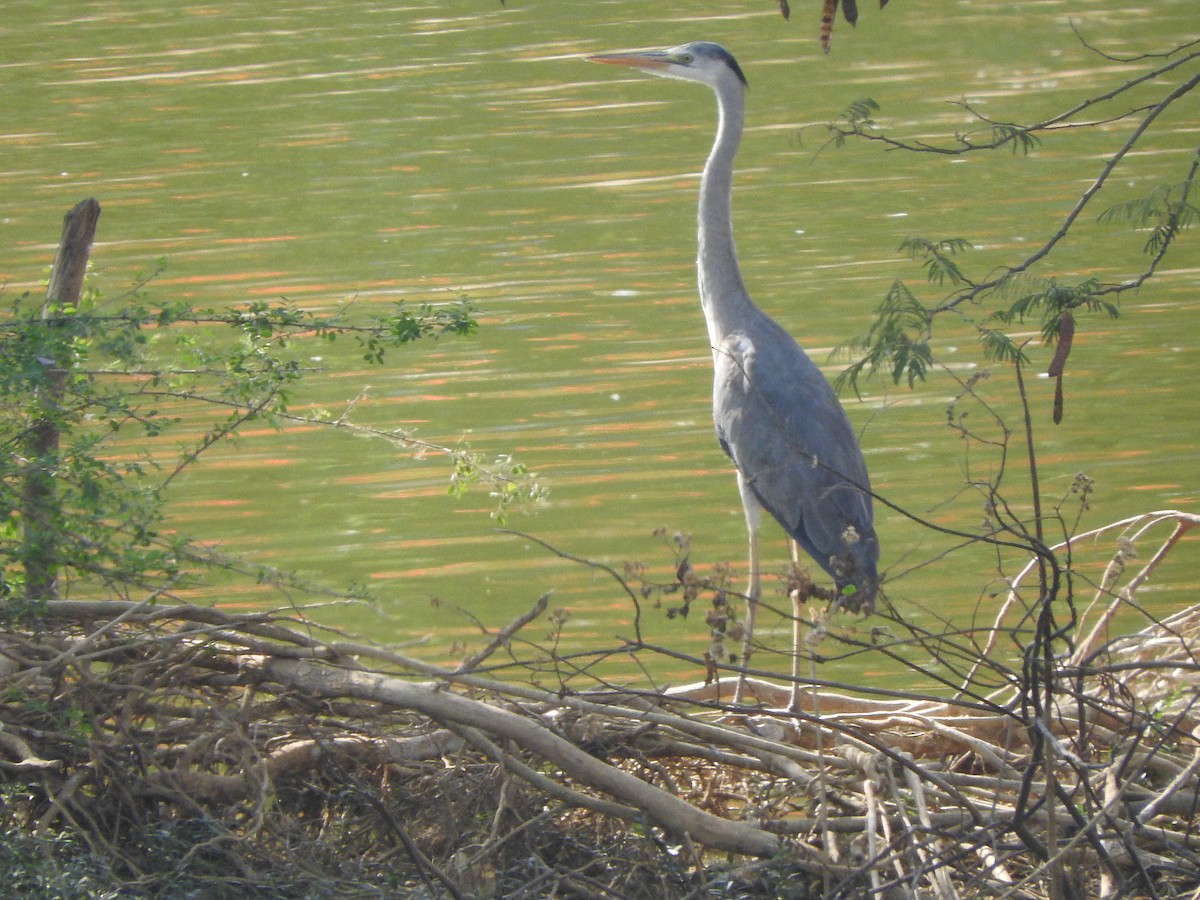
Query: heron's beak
[653,59]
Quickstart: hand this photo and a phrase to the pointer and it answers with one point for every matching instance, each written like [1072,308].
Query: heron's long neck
[722,294]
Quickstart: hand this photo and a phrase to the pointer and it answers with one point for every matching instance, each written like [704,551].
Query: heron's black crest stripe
[718,52]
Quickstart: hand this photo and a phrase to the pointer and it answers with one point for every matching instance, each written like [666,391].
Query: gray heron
[776,415]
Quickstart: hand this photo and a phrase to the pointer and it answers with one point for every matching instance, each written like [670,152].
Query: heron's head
[701,61]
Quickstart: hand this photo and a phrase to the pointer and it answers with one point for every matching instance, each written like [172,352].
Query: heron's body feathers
[780,422]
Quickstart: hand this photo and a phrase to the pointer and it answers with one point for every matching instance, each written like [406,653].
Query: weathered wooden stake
[62,295]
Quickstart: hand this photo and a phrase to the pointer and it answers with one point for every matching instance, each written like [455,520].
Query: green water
[324,151]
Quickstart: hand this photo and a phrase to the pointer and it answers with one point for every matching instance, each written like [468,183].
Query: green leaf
[897,341]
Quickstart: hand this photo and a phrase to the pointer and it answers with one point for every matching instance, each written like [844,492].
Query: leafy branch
[898,338]
[78,374]
[898,342]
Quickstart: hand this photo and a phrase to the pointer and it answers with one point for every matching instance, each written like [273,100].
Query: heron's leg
[797,633]
[753,512]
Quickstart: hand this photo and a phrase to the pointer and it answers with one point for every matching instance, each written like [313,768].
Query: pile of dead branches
[177,750]
[182,744]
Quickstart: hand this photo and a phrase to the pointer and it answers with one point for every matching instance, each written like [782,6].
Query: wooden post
[37,514]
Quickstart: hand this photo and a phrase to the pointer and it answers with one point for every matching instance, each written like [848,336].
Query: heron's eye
[686,58]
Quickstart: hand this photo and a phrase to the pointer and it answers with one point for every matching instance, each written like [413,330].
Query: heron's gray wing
[780,422]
